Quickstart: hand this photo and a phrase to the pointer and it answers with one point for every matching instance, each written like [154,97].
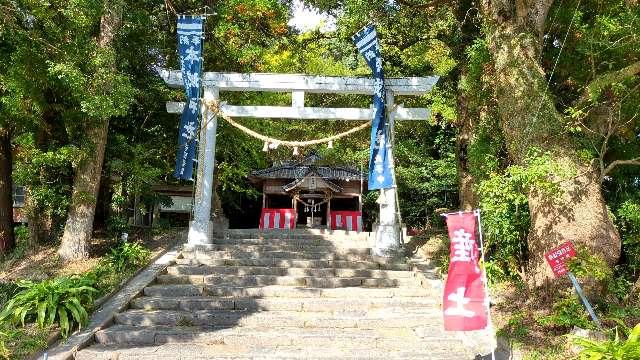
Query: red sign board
[557,258]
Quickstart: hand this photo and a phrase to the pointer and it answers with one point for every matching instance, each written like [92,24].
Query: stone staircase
[293,296]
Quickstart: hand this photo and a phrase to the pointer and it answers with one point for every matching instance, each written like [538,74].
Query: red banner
[278,219]
[465,299]
[348,220]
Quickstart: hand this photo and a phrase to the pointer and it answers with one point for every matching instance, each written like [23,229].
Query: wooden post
[295,212]
[329,214]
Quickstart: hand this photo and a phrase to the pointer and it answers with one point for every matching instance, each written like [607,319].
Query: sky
[306,19]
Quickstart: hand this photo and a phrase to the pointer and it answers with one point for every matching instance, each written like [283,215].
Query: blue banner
[190,51]
[380,173]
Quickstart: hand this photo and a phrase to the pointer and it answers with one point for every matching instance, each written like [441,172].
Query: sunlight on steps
[295,295]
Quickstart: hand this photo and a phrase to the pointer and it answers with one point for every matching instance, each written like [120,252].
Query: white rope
[312,206]
[214,105]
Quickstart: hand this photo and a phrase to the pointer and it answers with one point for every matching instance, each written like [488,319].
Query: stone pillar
[387,237]
[200,228]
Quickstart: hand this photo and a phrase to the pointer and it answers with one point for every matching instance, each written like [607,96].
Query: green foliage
[504,204]
[4,352]
[586,264]
[426,173]
[21,233]
[127,256]
[63,300]
[628,220]
[24,342]
[515,327]
[616,348]
[7,290]
[568,312]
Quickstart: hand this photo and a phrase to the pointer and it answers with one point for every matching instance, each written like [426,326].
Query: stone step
[297,263]
[261,280]
[374,319]
[239,253]
[297,234]
[328,249]
[282,291]
[193,303]
[430,350]
[303,243]
[286,271]
[389,339]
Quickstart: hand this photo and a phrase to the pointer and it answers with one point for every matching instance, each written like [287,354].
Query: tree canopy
[535,117]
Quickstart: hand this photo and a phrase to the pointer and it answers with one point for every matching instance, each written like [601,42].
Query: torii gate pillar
[388,231]
[201,228]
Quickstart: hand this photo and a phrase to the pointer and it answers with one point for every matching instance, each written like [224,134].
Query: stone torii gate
[387,237]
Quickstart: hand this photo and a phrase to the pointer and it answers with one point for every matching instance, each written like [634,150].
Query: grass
[21,342]
[42,263]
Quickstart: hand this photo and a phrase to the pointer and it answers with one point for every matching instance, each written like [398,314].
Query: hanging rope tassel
[295,151]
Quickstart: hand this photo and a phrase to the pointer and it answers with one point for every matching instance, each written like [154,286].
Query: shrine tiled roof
[300,169]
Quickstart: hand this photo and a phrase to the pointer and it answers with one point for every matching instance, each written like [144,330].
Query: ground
[42,263]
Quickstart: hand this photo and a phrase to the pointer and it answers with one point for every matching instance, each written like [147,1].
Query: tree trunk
[530,120]
[7,240]
[634,293]
[86,183]
[467,197]
[38,222]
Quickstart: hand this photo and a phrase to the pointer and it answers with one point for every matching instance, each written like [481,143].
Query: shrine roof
[292,169]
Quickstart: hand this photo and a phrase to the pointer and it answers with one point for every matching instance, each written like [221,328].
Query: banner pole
[486,285]
[586,303]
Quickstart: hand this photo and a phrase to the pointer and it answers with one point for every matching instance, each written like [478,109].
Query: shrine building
[308,194]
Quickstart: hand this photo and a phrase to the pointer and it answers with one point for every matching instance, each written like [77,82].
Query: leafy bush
[614,349]
[21,233]
[585,264]
[628,221]
[4,352]
[505,211]
[7,290]
[568,312]
[128,255]
[63,299]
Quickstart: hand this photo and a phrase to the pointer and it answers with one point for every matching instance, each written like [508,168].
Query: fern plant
[128,255]
[63,300]
[615,349]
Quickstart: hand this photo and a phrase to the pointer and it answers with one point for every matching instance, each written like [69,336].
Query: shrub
[614,349]
[7,290]
[127,256]
[21,233]
[63,299]
[567,313]
[4,352]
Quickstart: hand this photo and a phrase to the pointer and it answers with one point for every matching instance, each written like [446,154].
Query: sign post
[556,258]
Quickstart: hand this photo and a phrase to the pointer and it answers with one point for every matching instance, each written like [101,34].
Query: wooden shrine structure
[316,193]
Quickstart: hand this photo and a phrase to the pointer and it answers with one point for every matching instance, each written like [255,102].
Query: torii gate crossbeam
[387,241]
